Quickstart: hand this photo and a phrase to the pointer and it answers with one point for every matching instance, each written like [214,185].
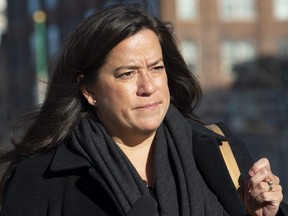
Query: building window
[32,6]
[190,54]
[280,9]
[51,4]
[186,9]
[237,9]
[53,38]
[235,52]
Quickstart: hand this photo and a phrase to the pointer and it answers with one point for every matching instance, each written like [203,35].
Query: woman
[117,134]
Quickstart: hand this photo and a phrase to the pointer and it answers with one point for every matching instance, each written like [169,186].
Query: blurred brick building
[239,49]
[215,35]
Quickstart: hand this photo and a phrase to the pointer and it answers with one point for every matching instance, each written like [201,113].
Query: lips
[149,106]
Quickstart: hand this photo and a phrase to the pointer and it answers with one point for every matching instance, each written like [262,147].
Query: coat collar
[66,159]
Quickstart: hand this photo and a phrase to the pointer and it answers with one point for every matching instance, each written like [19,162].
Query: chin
[149,128]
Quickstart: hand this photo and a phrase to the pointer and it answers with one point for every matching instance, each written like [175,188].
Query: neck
[141,157]
[134,143]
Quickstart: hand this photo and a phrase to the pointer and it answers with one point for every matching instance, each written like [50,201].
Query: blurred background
[238,48]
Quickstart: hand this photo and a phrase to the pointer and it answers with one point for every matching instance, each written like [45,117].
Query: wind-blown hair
[83,53]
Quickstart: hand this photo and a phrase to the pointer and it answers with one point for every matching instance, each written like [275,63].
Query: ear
[86,92]
[89,95]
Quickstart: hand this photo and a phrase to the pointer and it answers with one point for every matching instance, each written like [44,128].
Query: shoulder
[240,149]
[32,167]
[26,185]
[202,130]
[29,172]
[54,183]
[205,141]
[37,161]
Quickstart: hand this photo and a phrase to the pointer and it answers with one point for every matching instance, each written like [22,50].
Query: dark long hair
[83,53]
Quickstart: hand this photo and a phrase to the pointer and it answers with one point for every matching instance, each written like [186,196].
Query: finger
[275,179]
[273,197]
[263,175]
[263,188]
[258,165]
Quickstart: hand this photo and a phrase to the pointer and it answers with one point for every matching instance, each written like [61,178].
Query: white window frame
[280,9]
[237,10]
[234,52]
[187,10]
[190,52]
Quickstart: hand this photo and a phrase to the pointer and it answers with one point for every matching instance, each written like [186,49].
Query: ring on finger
[270,184]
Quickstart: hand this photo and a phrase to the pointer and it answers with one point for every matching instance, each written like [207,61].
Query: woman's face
[131,89]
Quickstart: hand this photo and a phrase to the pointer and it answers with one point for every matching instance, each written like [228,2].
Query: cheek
[163,85]
[116,94]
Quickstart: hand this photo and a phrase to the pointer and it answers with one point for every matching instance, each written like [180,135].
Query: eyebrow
[137,67]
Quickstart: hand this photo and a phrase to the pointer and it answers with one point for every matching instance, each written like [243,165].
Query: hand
[260,198]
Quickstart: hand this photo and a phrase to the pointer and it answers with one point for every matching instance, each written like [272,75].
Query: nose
[146,86]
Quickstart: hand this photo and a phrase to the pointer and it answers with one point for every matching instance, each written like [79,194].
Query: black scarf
[178,188]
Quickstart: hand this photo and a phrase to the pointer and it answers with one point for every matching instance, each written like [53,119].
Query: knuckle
[261,198]
[277,179]
[263,172]
[262,186]
[280,188]
[281,197]
[264,161]
[265,196]
[253,182]
[267,162]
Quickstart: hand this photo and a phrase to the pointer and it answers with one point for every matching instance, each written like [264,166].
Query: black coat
[63,183]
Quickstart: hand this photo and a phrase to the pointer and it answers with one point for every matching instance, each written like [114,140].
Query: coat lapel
[66,159]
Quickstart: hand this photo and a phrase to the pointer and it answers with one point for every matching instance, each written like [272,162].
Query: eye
[125,74]
[158,68]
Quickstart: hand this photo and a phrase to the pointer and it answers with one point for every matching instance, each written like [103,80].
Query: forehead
[143,43]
